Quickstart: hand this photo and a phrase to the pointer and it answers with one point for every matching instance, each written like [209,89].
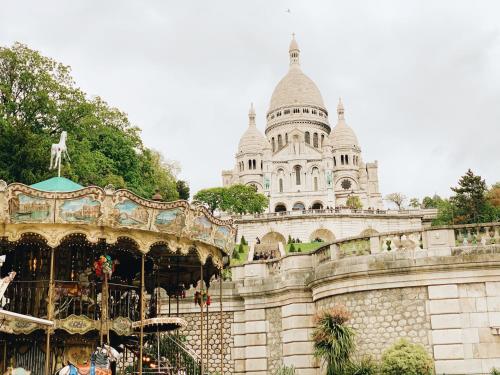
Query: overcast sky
[420,80]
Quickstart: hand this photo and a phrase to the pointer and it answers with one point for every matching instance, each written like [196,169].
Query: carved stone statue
[57,152]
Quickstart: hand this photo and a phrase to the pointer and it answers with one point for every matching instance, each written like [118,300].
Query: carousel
[93,279]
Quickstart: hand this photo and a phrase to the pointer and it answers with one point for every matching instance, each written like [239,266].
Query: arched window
[342,159]
[249,164]
[280,207]
[297,170]
[261,165]
[347,159]
[317,206]
[308,138]
[298,206]
[315,183]
[334,161]
[315,140]
[254,164]
[281,185]
[280,142]
[286,138]
[272,142]
[322,139]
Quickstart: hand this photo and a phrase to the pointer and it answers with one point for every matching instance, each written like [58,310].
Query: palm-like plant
[334,340]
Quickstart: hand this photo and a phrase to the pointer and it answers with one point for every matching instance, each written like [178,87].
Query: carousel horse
[4,283]
[77,289]
[58,150]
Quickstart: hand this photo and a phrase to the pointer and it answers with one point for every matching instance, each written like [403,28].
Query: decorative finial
[340,109]
[251,115]
[57,152]
[294,51]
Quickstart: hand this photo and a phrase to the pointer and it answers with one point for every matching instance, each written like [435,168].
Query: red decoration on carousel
[202,298]
[104,265]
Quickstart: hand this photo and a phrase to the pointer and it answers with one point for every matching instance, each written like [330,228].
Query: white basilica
[301,162]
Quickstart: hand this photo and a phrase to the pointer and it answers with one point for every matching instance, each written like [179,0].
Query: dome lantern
[294,51]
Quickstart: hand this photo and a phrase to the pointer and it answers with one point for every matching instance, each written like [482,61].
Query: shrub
[236,255]
[289,239]
[494,371]
[406,358]
[333,340]
[243,241]
[241,248]
[292,248]
[366,366]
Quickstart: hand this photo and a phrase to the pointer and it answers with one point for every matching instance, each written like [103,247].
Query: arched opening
[286,138]
[280,207]
[297,170]
[342,159]
[315,140]
[322,139]
[298,206]
[334,161]
[273,145]
[281,185]
[308,138]
[254,164]
[280,142]
[368,232]
[272,238]
[249,164]
[315,183]
[323,235]
[317,206]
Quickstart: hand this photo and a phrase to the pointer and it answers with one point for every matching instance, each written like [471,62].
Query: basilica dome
[342,136]
[296,89]
[252,141]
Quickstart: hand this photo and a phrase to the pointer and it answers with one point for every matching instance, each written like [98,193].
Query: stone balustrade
[427,213]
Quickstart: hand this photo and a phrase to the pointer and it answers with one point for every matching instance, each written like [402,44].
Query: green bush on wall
[406,358]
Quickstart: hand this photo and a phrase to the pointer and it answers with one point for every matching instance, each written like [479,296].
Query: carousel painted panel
[85,210]
[223,238]
[170,221]
[25,208]
[77,324]
[202,228]
[130,214]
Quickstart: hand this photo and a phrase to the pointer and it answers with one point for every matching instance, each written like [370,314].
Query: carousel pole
[221,325]
[201,317]
[141,334]
[50,309]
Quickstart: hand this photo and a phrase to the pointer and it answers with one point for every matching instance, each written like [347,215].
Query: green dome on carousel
[57,184]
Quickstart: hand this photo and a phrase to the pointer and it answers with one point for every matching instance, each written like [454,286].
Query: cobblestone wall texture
[381,317]
[193,339]
[274,339]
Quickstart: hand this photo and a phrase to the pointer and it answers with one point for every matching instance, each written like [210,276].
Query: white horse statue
[57,152]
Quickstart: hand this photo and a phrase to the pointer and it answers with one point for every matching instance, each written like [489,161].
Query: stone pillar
[297,323]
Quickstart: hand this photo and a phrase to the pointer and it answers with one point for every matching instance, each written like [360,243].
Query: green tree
[334,340]
[431,202]
[469,201]
[406,358]
[214,198]
[39,99]
[414,203]
[239,199]
[182,188]
[354,202]
[493,195]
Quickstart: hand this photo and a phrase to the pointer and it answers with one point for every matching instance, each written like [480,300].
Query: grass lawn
[304,247]
[243,256]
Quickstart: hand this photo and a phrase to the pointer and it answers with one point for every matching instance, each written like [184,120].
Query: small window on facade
[281,185]
[297,169]
[315,183]
[254,164]
[342,159]
[272,143]
[315,140]
[334,161]
[286,111]
[280,142]
[249,164]
[308,138]
[322,139]
[261,165]
[314,112]
[286,138]
[347,159]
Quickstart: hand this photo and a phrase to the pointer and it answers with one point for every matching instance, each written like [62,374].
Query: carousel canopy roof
[57,184]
